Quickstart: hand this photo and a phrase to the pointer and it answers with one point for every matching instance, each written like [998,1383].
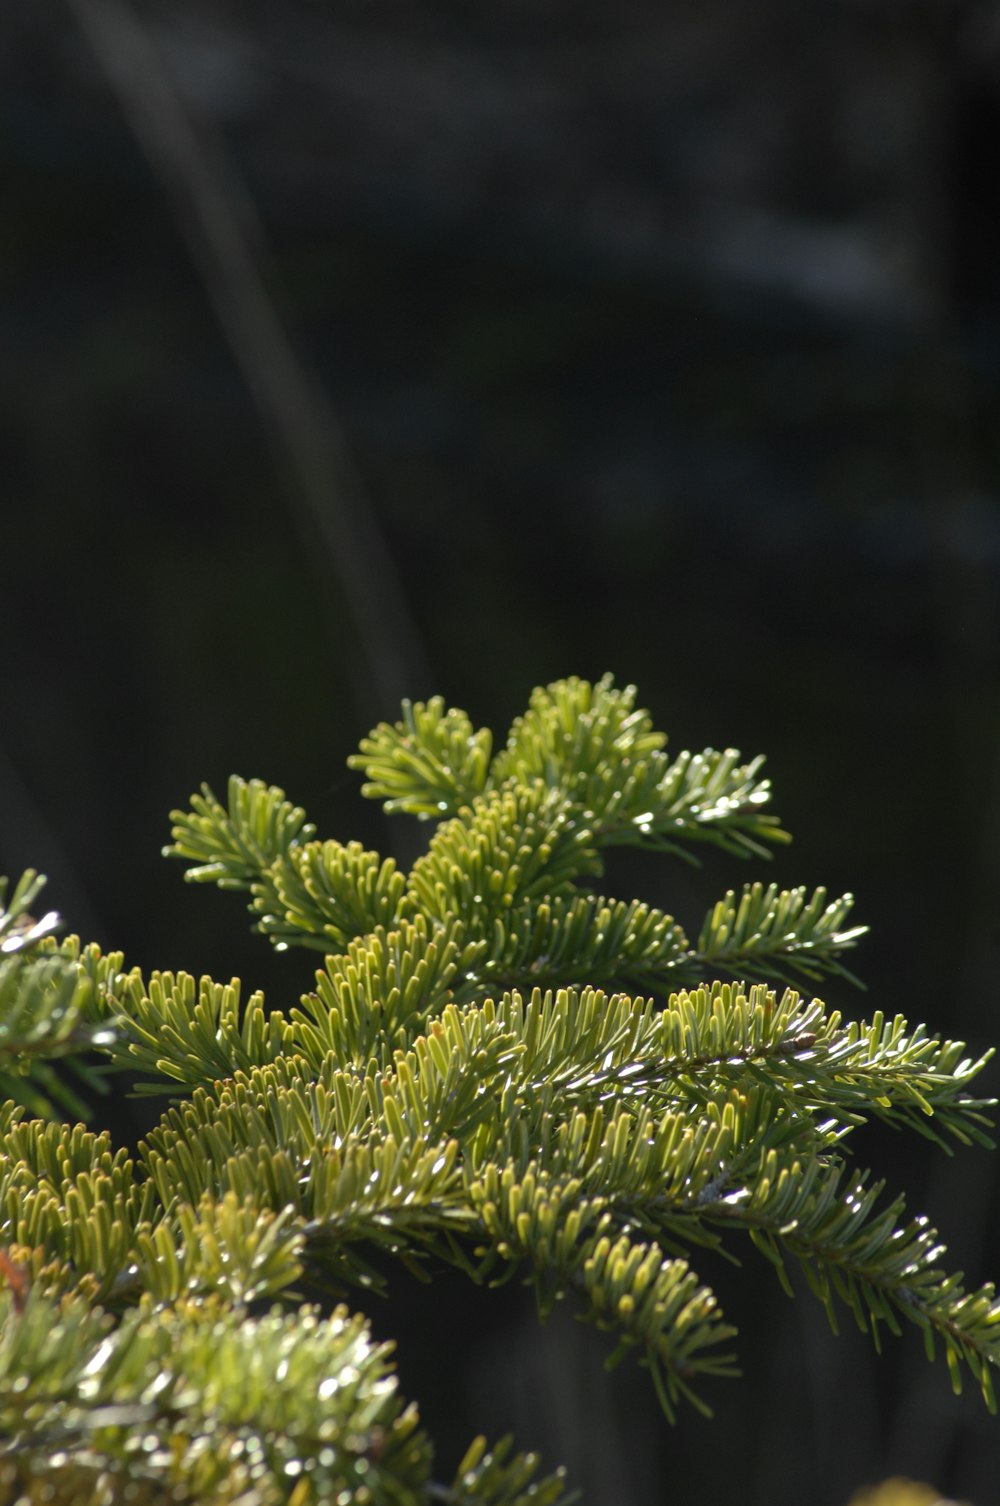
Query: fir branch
[66,1195]
[652,1303]
[233,845]
[455,1089]
[574,736]
[510,846]
[227,1249]
[238,1404]
[101,969]
[589,742]
[575,940]
[46,1009]
[587,939]
[371,999]
[496,1477]
[281,1140]
[44,1004]
[700,797]
[785,930]
[325,894]
[19,931]
[372,1176]
[855,1251]
[304,893]
[191,1032]
[710,1039]
[429,764]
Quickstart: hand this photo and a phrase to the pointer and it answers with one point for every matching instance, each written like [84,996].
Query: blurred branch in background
[900,1493]
[327,496]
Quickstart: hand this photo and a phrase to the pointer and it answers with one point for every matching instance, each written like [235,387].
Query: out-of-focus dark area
[350,352]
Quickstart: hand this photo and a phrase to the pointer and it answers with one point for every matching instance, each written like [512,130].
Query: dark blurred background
[356,351]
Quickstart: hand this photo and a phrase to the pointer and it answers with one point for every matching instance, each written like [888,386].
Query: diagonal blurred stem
[340,535]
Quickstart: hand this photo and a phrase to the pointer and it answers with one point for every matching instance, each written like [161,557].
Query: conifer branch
[431,763]
[189,1032]
[372,999]
[577,939]
[325,894]
[589,742]
[280,1397]
[497,1069]
[650,1302]
[233,845]
[786,931]
[511,846]
[590,939]
[492,1477]
[46,1009]
[852,1250]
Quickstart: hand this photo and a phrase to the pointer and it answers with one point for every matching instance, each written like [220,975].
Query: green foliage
[589,742]
[510,847]
[204,1400]
[499,1069]
[900,1493]
[431,763]
[231,846]
[790,932]
[45,1003]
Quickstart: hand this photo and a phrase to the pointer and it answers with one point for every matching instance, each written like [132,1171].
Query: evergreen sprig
[431,763]
[498,1069]
[589,742]
[206,1401]
[46,1009]
[792,933]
